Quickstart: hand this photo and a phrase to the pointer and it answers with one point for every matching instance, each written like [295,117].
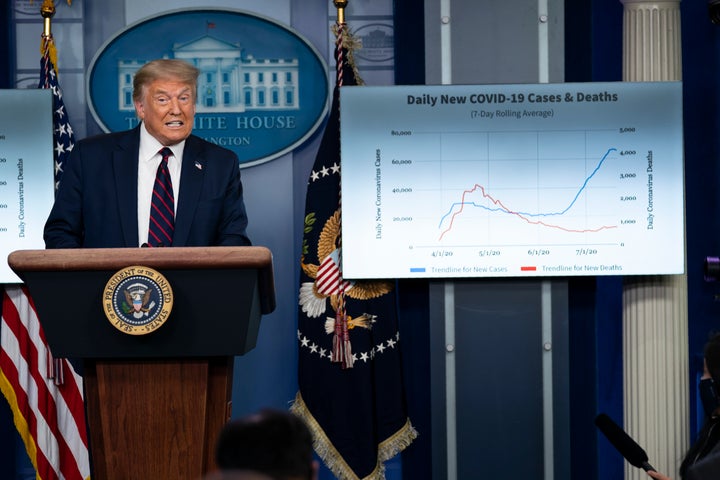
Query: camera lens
[712,269]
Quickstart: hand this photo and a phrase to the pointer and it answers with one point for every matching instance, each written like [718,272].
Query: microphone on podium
[627,447]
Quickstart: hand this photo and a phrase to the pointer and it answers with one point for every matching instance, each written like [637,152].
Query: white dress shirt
[148,160]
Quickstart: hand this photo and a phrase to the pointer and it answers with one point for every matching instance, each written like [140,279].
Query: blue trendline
[527,214]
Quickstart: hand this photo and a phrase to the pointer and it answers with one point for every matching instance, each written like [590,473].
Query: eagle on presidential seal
[137,300]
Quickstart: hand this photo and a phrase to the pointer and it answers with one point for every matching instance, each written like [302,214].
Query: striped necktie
[162,206]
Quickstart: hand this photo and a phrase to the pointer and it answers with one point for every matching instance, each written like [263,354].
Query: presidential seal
[137,300]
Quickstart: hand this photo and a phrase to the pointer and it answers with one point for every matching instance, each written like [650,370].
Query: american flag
[63,135]
[45,394]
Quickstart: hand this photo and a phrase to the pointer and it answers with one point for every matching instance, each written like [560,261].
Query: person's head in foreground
[274,443]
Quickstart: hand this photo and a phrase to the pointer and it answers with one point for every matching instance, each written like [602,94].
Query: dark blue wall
[413,294]
[594,53]
[701,50]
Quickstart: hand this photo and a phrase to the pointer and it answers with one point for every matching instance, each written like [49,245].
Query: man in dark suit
[104,199]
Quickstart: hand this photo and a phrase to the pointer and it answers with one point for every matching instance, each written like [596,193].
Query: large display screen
[512,180]
[26,172]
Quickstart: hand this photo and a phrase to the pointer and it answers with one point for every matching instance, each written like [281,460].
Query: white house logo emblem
[262,91]
[137,300]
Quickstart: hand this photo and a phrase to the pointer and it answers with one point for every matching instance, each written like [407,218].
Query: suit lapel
[125,167]
[191,181]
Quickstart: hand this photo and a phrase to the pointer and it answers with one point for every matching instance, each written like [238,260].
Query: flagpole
[341,5]
[342,348]
[47,10]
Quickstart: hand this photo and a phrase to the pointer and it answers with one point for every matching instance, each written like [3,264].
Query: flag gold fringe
[332,458]
[69,2]
[350,43]
[49,45]
[19,419]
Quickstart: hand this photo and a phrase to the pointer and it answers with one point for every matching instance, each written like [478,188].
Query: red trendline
[531,222]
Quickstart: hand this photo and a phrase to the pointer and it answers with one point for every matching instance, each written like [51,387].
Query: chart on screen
[512,180]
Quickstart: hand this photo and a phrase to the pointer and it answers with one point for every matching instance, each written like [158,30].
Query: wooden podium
[155,403]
